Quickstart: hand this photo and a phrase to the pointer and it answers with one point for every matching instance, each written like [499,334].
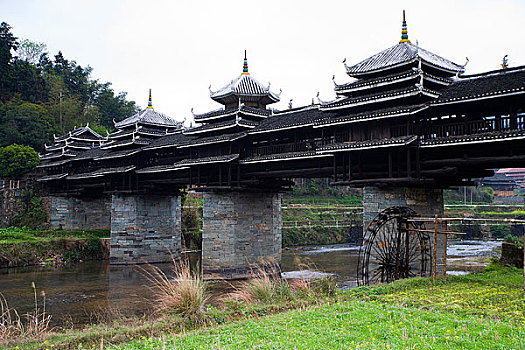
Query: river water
[77,293]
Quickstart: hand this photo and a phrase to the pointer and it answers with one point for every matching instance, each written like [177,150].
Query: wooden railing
[301,146]
[426,131]
[433,131]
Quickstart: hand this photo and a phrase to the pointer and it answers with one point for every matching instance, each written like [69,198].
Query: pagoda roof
[151,117]
[84,133]
[244,88]
[482,86]
[401,54]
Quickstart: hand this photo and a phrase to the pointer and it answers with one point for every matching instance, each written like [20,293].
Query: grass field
[478,311]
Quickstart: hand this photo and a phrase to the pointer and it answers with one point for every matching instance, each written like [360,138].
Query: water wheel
[390,252]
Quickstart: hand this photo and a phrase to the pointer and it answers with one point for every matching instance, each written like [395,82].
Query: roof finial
[245,65]
[505,62]
[150,104]
[404,31]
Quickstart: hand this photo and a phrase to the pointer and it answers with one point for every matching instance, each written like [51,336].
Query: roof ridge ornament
[346,66]
[404,31]
[505,62]
[462,68]
[150,104]
[245,65]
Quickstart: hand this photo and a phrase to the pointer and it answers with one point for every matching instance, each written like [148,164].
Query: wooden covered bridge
[407,125]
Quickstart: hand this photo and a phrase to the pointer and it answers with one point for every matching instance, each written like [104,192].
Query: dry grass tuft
[185,294]
[12,326]
[264,284]
[10,323]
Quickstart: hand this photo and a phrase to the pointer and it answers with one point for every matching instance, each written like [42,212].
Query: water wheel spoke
[391,251]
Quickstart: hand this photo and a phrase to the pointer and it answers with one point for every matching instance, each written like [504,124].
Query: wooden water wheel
[390,251]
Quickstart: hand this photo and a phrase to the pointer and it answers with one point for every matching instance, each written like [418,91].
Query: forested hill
[42,95]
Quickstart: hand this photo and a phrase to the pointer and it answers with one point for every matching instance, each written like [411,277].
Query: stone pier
[241,230]
[79,213]
[427,202]
[145,228]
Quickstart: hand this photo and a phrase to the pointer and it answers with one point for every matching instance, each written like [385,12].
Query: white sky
[178,48]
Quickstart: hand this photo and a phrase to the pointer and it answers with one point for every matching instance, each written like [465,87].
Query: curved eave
[101,173]
[410,62]
[198,143]
[365,145]
[205,129]
[233,97]
[485,96]
[377,99]
[342,89]
[415,75]
[227,113]
[118,155]
[283,157]
[327,122]
[160,169]
[56,156]
[52,177]
[146,123]
[473,139]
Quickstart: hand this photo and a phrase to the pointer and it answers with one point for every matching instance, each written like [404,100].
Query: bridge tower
[241,222]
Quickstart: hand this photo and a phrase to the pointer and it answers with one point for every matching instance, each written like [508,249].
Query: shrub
[500,230]
[17,160]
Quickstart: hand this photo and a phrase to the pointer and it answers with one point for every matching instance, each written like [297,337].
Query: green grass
[478,311]
[351,324]
[346,200]
[24,234]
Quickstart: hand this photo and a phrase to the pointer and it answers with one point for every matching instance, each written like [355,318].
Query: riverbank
[484,310]
[22,246]
[480,310]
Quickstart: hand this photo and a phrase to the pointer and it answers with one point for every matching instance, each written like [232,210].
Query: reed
[12,326]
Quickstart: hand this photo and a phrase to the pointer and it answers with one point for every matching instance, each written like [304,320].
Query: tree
[27,80]
[30,51]
[113,107]
[17,160]
[25,123]
[8,43]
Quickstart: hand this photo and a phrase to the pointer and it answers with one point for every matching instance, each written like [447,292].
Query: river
[81,293]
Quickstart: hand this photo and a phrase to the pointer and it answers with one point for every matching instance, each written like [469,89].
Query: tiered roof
[141,128]
[401,75]
[68,146]
[244,99]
